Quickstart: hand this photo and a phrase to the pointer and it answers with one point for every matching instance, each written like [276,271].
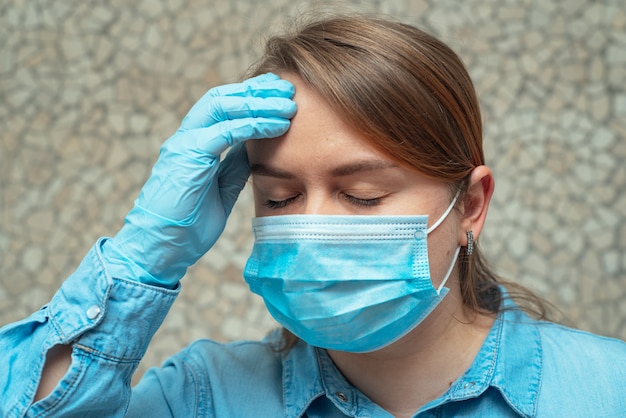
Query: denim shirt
[525,367]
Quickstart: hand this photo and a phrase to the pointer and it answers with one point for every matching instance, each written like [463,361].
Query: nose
[319,203]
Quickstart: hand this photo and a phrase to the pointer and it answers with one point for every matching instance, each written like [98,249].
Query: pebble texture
[89,91]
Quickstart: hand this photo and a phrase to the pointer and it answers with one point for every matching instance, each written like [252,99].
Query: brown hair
[412,97]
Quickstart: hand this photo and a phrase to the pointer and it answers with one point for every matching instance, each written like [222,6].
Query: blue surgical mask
[348,283]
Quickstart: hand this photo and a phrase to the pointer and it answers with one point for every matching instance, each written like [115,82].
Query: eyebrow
[344,170]
[265,170]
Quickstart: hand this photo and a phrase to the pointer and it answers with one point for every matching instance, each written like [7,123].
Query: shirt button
[93,312]
[341,396]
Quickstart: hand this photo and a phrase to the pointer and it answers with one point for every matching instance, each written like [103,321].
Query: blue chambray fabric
[525,368]
[109,323]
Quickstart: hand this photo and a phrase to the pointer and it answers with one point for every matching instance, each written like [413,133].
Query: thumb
[232,175]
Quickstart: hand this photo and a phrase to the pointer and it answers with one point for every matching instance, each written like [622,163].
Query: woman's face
[322,166]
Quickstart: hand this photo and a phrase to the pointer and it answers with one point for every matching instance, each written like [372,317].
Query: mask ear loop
[445,214]
[458,249]
[447,276]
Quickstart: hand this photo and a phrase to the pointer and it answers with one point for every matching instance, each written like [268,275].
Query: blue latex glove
[182,208]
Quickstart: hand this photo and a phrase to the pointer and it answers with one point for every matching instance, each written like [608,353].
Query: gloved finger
[264,85]
[215,139]
[218,109]
[232,175]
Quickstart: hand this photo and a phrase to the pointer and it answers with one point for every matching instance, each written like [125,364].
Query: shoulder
[554,370]
[580,349]
[582,370]
[238,356]
[209,378]
[559,347]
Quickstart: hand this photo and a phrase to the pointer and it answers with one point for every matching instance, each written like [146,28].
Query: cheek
[442,243]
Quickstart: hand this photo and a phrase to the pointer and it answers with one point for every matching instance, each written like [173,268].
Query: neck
[421,366]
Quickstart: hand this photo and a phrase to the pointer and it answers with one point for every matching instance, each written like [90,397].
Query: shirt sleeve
[109,323]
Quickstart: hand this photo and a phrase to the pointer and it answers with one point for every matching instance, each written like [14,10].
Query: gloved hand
[182,208]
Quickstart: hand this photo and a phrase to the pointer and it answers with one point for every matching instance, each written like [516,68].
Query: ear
[476,202]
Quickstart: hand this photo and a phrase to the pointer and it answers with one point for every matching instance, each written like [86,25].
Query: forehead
[318,134]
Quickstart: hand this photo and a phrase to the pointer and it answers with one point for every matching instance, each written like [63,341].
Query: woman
[363,137]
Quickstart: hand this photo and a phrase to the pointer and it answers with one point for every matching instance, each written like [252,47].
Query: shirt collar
[519,363]
[309,373]
[510,361]
[301,379]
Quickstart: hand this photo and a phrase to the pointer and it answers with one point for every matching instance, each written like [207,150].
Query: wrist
[121,266]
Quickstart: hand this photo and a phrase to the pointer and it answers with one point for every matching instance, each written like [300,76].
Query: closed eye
[358,201]
[279,204]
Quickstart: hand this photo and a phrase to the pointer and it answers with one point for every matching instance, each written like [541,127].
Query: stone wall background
[89,91]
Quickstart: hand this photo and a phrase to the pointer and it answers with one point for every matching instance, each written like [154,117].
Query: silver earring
[470,242]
